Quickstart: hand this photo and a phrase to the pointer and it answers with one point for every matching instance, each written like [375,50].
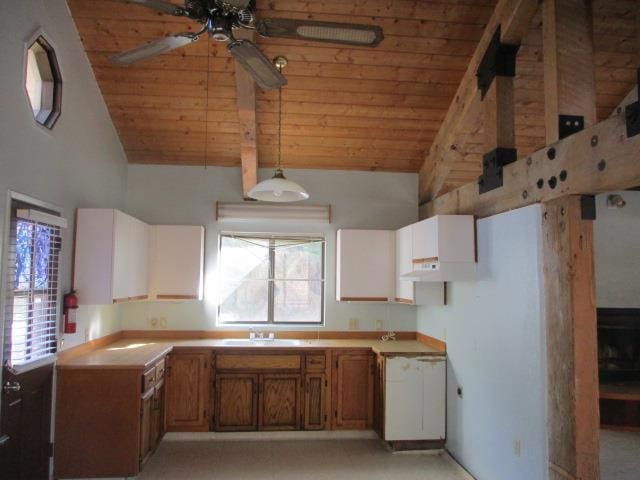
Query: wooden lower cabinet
[352,390]
[188,390]
[108,421]
[236,402]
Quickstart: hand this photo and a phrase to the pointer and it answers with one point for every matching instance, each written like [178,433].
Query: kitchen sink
[264,342]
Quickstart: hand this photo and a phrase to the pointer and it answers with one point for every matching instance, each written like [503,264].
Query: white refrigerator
[415,398]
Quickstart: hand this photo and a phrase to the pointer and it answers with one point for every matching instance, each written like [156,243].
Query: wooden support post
[499,115]
[572,357]
[569,82]
[246,100]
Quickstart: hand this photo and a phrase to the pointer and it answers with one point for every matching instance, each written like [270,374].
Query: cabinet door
[279,402]
[188,391]
[365,265]
[139,259]
[177,261]
[122,256]
[404,288]
[157,415]
[145,425]
[314,401]
[353,391]
[378,399]
[236,402]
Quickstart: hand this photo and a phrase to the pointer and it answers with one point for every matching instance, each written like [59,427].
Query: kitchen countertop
[140,353]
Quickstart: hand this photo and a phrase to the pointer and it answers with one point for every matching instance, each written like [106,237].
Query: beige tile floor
[288,459]
[619,455]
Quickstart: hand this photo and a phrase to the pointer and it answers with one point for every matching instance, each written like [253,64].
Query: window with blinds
[271,279]
[32,285]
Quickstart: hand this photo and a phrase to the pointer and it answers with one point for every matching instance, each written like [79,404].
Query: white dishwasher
[415,398]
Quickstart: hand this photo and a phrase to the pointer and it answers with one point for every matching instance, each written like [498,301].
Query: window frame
[272,237]
[15,200]
[43,39]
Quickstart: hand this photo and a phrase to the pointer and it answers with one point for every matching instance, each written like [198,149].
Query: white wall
[495,338]
[80,162]
[617,252]
[187,195]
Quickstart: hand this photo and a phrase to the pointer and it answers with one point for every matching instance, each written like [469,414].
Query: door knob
[11,387]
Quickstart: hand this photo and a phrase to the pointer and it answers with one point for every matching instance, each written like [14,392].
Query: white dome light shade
[278,189]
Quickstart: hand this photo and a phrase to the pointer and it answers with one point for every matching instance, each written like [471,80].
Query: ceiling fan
[219,18]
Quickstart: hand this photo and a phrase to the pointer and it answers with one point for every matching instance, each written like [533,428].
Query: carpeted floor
[619,455]
[179,458]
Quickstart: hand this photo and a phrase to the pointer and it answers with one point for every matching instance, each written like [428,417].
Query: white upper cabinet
[408,291]
[443,249]
[365,265]
[177,254]
[111,257]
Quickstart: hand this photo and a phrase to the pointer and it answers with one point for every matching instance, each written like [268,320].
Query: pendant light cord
[279,166]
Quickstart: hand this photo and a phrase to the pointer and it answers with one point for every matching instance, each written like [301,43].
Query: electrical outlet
[162,322]
[379,325]
[353,324]
[154,322]
[517,447]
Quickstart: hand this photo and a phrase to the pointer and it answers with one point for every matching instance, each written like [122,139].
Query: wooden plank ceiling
[344,108]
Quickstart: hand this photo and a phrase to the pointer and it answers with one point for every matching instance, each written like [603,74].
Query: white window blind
[32,286]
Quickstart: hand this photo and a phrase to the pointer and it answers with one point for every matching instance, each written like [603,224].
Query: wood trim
[514,18]
[405,301]
[364,299]
[246,102]
[64,355]
[130,299]
[431,342]
[285,334]
[610,164]
[631,396]
[177,297]
[418,261]
[571,322]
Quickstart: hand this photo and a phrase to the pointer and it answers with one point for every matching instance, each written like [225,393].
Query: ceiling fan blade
[151,49]
[348,33]
[266,75]
[159,5]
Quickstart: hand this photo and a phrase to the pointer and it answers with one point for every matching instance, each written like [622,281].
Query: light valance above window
[252,211]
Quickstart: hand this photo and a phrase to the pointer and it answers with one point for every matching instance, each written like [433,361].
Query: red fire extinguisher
[69,311]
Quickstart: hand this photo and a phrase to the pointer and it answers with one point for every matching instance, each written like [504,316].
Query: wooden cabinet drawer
[315,363]
[160,367]
[258,362]
[148,379]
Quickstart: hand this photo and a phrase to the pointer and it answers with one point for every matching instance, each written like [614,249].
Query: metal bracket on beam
[569,124]
[588,207]
[632,114]
[492,164]
[499,60]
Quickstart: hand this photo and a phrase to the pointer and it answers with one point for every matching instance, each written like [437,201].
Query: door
[25,424]
[279,402]
[353,391]
[314,401]
[188,391]
[236,402]
[157,415]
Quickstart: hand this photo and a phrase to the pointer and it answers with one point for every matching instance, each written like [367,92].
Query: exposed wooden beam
[598,159]
[572,354]
[499,115]
[569,82]
[514,18]
[246,99]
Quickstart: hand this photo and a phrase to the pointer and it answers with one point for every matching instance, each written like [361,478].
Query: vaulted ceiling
[344,107]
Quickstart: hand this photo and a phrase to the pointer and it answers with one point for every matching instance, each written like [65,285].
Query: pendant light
[278,188]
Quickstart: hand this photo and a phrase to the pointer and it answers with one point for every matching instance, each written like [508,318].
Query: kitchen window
[271,279]
[32,285]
